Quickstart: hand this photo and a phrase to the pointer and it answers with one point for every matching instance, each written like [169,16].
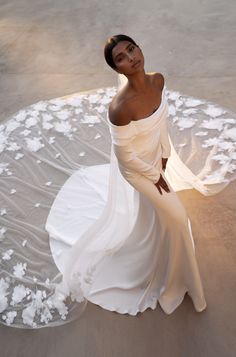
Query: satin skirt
[157,263]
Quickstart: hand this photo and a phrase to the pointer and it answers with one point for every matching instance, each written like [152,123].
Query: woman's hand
[163,184]
[164,162]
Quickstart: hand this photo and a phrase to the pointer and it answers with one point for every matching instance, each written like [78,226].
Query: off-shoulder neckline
[142,119]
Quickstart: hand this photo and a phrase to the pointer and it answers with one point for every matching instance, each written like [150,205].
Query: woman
[142,92]
[137,117]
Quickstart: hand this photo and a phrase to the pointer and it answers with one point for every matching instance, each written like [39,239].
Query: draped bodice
[146,125]
[145,139]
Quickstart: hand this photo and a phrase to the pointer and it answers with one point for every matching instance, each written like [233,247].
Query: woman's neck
[138,82]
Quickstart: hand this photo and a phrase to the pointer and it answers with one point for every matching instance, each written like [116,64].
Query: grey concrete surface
[50,48]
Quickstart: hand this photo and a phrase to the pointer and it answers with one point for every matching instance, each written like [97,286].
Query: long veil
[59,175]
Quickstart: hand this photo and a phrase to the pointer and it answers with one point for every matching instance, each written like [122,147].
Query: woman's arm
[129,159]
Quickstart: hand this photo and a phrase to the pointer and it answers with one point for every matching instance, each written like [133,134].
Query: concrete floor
[52,48]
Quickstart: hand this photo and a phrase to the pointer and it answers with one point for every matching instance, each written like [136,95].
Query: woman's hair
[111,43]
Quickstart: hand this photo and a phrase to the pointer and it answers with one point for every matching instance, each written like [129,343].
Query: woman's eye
[131,48]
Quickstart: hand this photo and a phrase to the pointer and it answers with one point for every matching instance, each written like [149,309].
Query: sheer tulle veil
[59,175]
[121,81]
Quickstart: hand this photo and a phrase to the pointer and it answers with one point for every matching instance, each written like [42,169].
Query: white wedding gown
[146,246]
[115,240]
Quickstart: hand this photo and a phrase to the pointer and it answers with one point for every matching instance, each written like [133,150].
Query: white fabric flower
[19,293]
[105,100]
[230,134]
[90,119]
[25,132]
[13,147]
[7,255]
[226,145]
[78,111]
[100,109]
[2,233]
[74,101]
[213,124]
[221,158]
[40,106]
[28,315]
[56,300]
[178,103]
[192,102]
[24,243]
[55,108]
[3,211]
[213,111]
[3,303]
[3,141]
[215,177]
[63,114]
[172,109]
[174,95]
[231,168]
[11,126]
[4,285]
[186,123]
[94,98]
[34,144]
[19,156]
[201,133]
[59,102]
[51,140]
[111,91]
[47,281]
[10,317]
[211,142]
[19,269]
[47,126]
[190,111]
[46,315]
[63,127]
[31,122]
[3,167]
[47,117]
[21,115]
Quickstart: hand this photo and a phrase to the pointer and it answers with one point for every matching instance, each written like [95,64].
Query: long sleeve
[130,160]
[164,137]
[126,155]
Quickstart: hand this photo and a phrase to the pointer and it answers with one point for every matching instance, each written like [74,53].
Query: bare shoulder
[119,112]
[159,79]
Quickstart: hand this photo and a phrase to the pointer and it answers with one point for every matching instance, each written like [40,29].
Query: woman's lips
[136,64]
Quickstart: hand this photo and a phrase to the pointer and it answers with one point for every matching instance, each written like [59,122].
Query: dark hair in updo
[111,43]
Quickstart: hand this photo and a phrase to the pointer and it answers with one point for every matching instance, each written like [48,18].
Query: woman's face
[127,57]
